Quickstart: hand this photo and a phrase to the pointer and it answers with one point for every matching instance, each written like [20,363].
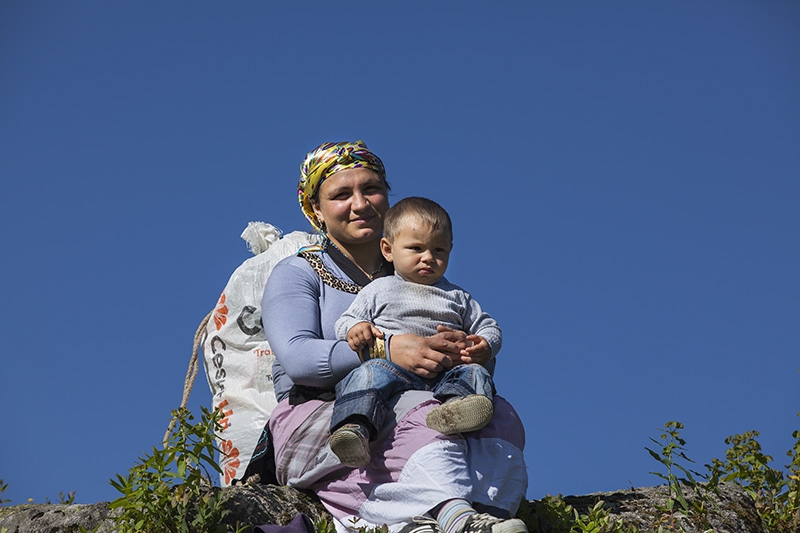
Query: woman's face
[351,204]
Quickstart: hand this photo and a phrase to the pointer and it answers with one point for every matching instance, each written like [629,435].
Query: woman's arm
[293,324]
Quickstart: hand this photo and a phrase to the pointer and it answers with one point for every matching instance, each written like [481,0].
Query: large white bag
[236,353]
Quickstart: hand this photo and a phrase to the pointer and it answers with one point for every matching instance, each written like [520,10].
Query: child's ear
[386,249]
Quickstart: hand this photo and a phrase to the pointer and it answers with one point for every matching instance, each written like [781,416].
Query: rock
[253,505]
[55,518]
[269,504]
[733,511]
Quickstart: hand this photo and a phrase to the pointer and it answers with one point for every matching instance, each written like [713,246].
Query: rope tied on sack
[259,236]
[191,372]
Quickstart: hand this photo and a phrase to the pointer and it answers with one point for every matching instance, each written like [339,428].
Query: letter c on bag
[247,312]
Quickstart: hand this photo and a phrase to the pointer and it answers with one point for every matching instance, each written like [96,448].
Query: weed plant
[690,493]
[776,493]
[171,490]
[3,487]
[64,499]
[679,476]
[553,515]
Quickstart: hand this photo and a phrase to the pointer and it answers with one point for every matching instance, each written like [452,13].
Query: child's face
[419,254]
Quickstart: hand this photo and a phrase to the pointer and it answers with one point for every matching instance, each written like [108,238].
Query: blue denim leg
[463,380]
[366,392]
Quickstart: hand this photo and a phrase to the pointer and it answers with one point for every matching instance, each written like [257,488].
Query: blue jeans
[366,391]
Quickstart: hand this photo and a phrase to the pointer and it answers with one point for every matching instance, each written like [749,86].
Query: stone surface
[55,518]
[268,504]
[732,512]
[249,505]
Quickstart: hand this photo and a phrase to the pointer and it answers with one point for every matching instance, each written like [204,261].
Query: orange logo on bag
[231,461]
[221,313]
[225,421]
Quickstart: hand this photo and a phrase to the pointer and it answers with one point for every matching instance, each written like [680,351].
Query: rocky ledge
[732,512]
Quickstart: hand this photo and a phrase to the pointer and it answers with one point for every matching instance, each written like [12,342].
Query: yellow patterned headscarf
[328,159]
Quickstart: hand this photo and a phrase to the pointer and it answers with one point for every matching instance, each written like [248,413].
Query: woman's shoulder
[293,262]
[314,265]
[291,270]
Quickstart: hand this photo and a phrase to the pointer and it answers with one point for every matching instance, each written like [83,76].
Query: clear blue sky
[624,179]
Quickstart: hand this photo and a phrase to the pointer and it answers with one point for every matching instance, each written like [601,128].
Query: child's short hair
[426,210]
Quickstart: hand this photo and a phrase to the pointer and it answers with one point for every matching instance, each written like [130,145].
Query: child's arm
[362,335]
[483,331]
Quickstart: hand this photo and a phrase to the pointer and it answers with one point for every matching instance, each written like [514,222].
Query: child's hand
[362,335]
[460,341]
[479,352]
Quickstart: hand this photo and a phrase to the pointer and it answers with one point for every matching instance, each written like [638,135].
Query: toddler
[417,299]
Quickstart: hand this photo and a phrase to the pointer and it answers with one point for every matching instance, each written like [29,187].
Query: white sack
[236,354]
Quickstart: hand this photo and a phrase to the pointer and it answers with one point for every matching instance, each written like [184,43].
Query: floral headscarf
[327,159]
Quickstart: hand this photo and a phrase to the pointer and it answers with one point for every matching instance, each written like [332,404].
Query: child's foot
[459,415]
[350,443]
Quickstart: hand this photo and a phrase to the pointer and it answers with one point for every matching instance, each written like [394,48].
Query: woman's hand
[472,348]
[427,357]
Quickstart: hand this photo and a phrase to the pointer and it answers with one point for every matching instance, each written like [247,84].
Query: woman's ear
[317,212]
[386,249]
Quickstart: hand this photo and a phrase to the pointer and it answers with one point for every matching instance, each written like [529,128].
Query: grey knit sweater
[396,306]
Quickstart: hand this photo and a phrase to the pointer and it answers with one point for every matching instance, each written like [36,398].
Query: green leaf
[655,456]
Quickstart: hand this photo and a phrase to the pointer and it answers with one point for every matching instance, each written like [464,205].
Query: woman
[414,470]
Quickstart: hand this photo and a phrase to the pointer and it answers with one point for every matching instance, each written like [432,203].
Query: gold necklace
[371,277]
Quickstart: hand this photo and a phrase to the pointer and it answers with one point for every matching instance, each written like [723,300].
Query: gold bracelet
[378,350]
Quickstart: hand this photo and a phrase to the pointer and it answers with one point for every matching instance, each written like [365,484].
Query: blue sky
[623,179]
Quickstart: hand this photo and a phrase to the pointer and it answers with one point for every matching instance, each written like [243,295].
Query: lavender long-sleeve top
[298,313]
